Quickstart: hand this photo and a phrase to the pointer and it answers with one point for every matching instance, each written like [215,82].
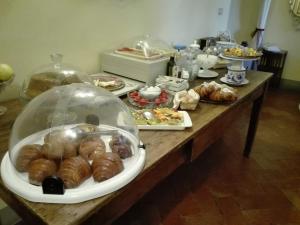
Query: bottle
[170,66]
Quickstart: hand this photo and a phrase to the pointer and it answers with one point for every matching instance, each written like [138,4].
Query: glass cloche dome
[145,47]
[77,140]
[54,74]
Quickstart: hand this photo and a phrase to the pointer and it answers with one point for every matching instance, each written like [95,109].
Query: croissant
[216,96]
[39,169]
[73,171]
[120,145]
[58,145]
[27,154]
[203,90]
[228,94]
[89,145]
[106,165]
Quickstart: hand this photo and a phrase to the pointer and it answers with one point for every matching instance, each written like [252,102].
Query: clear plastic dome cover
[145,47]
[54,74]
[76,132]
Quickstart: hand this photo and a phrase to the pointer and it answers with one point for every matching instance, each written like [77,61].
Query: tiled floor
[223,188]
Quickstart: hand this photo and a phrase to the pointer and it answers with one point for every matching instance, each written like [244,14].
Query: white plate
[187,122]
[207,74]
[224,80]
[18,182]
[239,58]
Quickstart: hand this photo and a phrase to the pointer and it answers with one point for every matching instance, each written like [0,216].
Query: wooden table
[166,151]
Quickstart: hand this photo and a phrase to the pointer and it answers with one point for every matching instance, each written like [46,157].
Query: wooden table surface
[166,150]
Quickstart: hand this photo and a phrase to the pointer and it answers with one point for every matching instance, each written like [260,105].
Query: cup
[236,74]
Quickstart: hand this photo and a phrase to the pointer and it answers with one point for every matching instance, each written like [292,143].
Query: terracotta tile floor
[223,188]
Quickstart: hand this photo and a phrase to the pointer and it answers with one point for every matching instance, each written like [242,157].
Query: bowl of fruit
[150,99]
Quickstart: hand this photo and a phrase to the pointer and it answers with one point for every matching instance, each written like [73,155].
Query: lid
[145,47]
[54,74]
[63,130]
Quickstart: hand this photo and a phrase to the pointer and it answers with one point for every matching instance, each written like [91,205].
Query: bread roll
[89,145]
[106,165]
[73,171]
[39,169]
[60,146]
[27,154]
[120,145]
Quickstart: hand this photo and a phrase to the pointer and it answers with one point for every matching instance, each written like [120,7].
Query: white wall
[279,30]
[30,30]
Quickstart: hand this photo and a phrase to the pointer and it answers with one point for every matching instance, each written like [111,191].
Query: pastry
[89,145]
[86,128]
[58,145]
[42,82]
[216,92]
[106,165]
[73,171]
[120,145]
[27,154]
[228,94]
[39,169]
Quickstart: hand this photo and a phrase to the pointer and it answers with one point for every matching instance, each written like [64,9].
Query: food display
[159,116]
[162,100]
[186,100]
[109,82]
[217,93]
[44,81]
[138,53]
[49,76]
[71,161]
[145,47]
[40,160]
[242,52]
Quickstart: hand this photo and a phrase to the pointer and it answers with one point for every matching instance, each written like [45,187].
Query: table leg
[256,108]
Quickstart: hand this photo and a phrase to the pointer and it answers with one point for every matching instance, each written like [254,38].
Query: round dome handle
[56,59]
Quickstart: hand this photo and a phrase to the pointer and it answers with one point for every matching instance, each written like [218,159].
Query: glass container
[145,47]
[79,135]
[47,76]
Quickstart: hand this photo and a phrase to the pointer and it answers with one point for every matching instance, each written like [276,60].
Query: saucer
[224,80]
[207,74]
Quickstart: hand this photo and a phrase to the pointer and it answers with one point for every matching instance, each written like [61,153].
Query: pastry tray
[205,100]
[18,182]
[187,122]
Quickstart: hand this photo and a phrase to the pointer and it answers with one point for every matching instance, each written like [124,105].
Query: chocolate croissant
[89,145]
[120,145]
[58,145]
[27,154]
[106,165]
[39,169]
[73,171]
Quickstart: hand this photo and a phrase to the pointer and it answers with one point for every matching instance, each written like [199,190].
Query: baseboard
[291,85]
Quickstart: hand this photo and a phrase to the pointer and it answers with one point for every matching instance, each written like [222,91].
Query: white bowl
[150,92]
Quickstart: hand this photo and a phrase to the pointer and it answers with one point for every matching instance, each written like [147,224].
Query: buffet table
[166,151]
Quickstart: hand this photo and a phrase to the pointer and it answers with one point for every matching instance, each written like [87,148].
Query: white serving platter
[239,58]
[19,184]
[187,122]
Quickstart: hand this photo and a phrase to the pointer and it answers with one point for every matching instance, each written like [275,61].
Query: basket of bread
[186,100]
[216,93]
